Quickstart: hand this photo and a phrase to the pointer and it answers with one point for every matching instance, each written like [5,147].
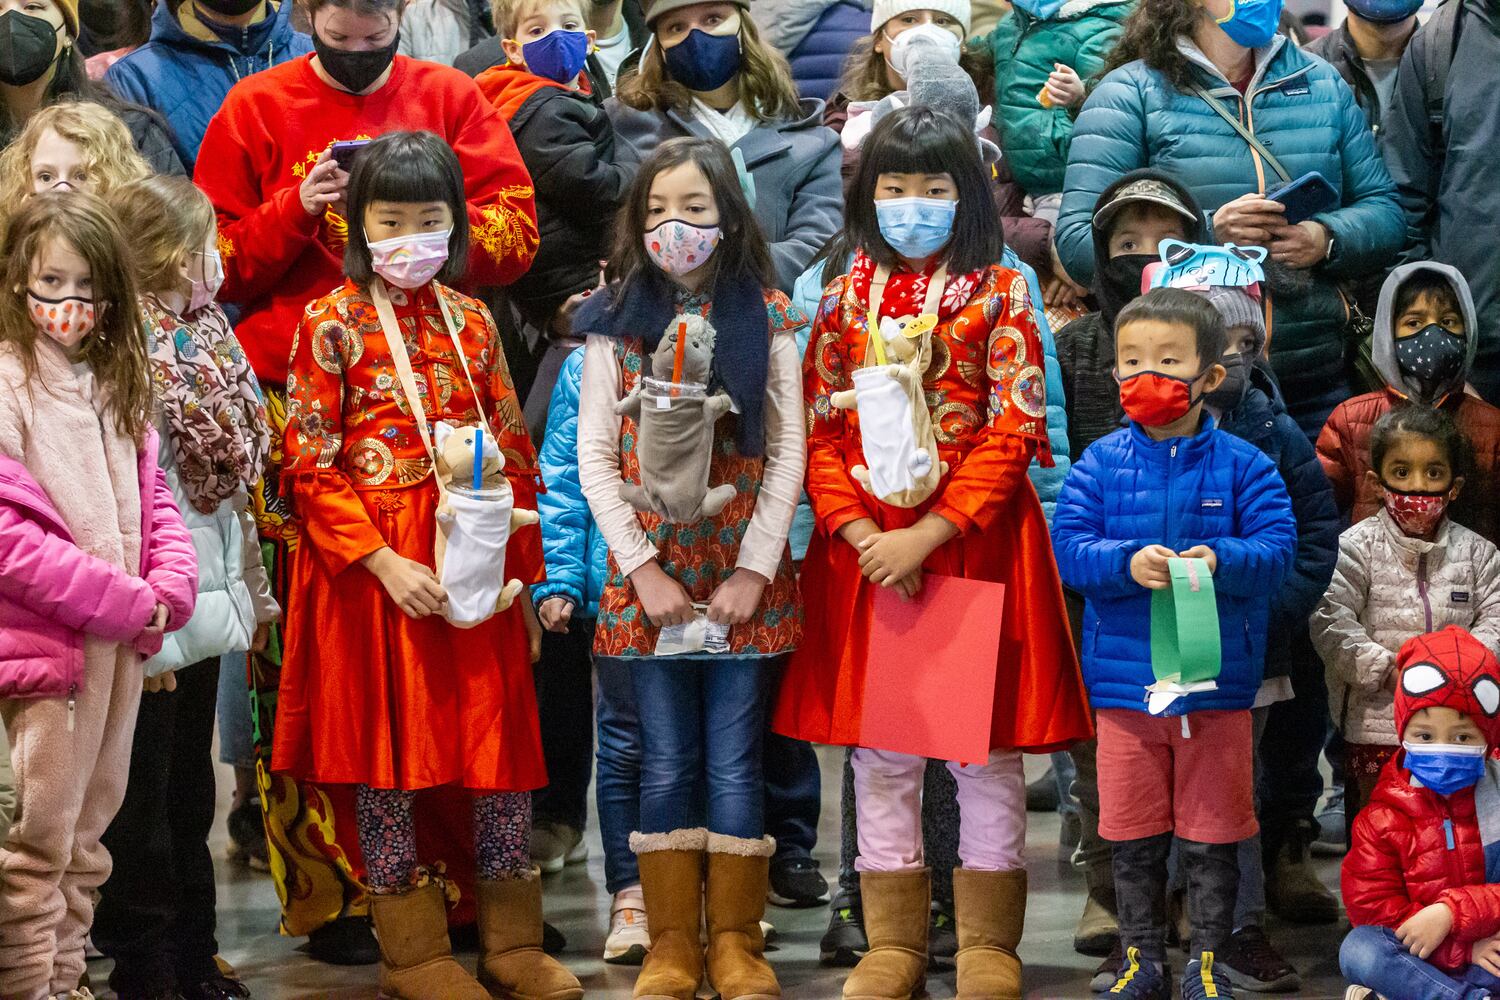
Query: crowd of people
[1159,338]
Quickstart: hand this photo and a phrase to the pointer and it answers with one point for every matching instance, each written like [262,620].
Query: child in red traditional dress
[922,252]
[379,691]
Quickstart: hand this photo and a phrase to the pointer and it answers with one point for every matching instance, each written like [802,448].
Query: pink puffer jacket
[52,593]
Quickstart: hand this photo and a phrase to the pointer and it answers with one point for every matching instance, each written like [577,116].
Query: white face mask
[902,45]
[410,261]
[205,288]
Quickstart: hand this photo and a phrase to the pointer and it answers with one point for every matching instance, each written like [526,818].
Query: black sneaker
[247,835]
[1252,963]
[845,943]
[216,988]
[345,941]
[796,882]
[942,934]
[1041,794]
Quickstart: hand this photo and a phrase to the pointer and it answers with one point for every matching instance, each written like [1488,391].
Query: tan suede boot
[672,882]
[897,912]
[739,873]
[990,909]
[416,962]
[511,961]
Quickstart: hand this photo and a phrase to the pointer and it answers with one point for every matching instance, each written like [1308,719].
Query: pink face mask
[66,321]
[410,261]
[680,247]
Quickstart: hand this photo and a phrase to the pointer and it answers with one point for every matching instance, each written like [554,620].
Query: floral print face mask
[679,247]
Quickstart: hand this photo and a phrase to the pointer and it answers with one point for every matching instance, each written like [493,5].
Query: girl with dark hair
[40,62]
[688,245]
[706,72]
[378,689]
[921,253]
[267,165]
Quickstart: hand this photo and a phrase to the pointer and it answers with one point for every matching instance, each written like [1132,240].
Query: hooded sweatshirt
[1344,444]
[1086,346]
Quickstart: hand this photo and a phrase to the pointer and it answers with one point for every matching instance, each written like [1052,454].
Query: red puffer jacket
[1412,848]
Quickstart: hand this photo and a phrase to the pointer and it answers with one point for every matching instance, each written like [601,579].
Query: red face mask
[1416,514]
[1152,399]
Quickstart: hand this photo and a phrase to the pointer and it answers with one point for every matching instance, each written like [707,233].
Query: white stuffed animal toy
[895,424]
[473,532]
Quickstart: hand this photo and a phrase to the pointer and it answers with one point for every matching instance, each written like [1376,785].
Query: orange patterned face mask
[66,321]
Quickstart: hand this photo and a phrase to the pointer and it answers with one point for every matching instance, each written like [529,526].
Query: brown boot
[990,908]
[511,961]
[416,962]
[897,913]
[672,882]
[738,877]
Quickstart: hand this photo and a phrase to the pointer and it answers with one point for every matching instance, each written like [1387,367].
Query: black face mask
[228,8]
[28,47]
[354,71]
[1231,392]
[1120,282]
[1433,357]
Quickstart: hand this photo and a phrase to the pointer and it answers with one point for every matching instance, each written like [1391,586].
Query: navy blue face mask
[702,62]
[558,55]
[1445,767]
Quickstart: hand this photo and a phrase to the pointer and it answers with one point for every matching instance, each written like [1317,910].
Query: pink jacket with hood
[52,593]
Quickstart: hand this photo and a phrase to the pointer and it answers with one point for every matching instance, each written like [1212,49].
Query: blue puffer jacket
[808,293]
[1127,492]
[818,60]
[573,548]
[1306,115]
[185,78]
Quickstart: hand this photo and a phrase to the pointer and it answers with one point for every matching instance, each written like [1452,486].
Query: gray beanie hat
[1239,309]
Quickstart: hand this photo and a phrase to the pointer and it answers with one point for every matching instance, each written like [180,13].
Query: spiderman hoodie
[1413,846]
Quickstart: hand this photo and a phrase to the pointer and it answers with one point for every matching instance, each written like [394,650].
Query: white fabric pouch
[477,528]
[887,433]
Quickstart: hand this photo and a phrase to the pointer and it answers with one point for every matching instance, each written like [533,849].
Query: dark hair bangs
[1179,307]
[410,167]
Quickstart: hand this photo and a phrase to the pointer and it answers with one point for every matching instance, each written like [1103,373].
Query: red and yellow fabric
[271,130]
[986,390]
[368,695]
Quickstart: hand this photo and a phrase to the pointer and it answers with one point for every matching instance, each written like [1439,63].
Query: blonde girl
[70,146]
[97,569]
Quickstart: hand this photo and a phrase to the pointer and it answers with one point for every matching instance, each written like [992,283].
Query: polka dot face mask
[66,321]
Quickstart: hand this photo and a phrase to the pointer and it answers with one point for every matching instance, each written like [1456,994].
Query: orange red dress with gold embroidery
[985,388]
[269,133]
[367,694]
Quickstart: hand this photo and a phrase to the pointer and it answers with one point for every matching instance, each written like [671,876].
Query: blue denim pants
[236,718]
[617,770]
[1372,957]
[702,724]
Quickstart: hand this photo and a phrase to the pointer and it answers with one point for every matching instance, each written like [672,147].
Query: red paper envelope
[930,671]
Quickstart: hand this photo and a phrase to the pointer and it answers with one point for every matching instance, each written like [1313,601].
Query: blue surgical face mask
[1384,11]
[702,62]
[558,55]
[1445,767]
[1252,23]
[916,228]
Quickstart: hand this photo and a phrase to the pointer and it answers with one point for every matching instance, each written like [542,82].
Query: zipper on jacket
[1422,588]
[1167,527]
[72,706]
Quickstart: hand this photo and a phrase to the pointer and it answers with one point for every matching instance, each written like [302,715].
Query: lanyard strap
[930,305]
[1239,126]
[396,341]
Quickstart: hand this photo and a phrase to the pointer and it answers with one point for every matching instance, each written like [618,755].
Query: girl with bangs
[705,72]
[921,253]
[378,689]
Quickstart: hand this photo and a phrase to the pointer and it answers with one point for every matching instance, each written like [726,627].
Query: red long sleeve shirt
[271,130]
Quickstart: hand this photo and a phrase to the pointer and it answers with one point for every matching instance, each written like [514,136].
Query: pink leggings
[388,840]
[888,804]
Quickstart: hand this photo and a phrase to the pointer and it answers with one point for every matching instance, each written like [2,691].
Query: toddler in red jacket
[1420,879]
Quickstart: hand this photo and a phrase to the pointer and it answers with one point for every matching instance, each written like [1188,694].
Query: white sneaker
[628,939]
[1361,993]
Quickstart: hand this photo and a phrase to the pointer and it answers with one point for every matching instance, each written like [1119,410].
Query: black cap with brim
[1145,191]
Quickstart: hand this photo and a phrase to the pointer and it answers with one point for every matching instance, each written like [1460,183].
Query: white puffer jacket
[1386,589]
[234,593]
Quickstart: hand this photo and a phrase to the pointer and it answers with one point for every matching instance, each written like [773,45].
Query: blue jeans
[1372,957]
[236,723]
[702,719]
[617,775]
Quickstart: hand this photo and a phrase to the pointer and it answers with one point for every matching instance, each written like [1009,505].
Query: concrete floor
[575,901]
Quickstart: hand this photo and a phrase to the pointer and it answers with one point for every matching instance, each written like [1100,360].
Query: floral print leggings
[502,833]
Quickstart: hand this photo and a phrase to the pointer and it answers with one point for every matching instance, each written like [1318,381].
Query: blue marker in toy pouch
[478,458]
[1201,266]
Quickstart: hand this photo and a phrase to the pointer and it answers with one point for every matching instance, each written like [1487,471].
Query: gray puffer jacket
[1387,589]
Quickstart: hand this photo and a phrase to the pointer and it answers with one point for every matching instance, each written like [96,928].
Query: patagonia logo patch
[1297,90]
[1460,597]
[1212,503]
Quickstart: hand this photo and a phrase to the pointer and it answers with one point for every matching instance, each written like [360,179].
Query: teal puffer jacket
[1307,118]
[1035,139]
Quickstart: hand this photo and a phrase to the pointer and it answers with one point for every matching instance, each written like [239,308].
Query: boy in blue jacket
[1171,484]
